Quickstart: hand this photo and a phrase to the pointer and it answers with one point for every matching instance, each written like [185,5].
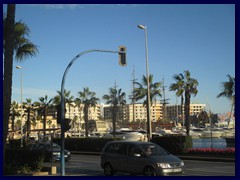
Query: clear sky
[198,38]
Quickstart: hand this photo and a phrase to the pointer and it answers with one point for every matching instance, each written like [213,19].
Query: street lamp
[149,125]
[19,67]
[122,61]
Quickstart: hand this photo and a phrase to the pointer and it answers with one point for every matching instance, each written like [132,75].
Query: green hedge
[18,160]
[84,144]
[174,144]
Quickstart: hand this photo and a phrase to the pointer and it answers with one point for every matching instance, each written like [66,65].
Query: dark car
[139,158]
[52,151]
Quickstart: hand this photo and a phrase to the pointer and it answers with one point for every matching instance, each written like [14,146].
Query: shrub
[213,151]
[174,144]
[84,144]
[19,160]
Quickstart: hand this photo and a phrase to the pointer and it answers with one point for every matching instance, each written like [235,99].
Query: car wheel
[149,171]
[108,171]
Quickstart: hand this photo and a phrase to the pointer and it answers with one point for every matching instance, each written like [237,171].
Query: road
[89,165]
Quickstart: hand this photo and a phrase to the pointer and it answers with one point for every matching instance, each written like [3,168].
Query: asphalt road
[89,165]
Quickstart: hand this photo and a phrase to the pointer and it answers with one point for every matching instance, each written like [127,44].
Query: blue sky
[199,38]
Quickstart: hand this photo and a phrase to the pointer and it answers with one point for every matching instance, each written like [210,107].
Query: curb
[183,157]
[206,158]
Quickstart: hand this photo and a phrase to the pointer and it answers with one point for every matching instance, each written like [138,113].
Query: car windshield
[46,146]
[151,149]
[54,146]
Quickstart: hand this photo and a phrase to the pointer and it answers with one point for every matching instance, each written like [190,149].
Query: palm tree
[49,122]
[29,106]
[115,98]
[34,122]
[8,64]
[140,92]
[14,41]
[228,91]
[43,105]
[14,112]
[88,99]
[78,104]
[57,105]
[178,87]
[23,47]
[188,86]
[68,99]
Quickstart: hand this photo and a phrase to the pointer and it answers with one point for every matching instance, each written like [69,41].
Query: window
[117,148]
[134,150]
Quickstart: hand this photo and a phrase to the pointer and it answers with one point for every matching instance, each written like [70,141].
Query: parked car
[52,151]
[139,158]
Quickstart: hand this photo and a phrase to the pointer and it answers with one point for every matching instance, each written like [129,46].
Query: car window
[133,149]
[117,148]
[56,146]
[152,149]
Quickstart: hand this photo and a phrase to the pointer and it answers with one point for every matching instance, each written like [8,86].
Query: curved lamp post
[62,165]
[149,125]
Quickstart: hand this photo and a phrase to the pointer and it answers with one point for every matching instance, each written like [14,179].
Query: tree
[88,99]
[140,92]
[8,41]
[14,41]
[115,98]
[29,106]
[228,91]
[68,99]
[66,121]
[178,87]
[78,104]
[57,104]
[14,112]
[188,86]
[43,105]
[23,47]
[203,118]
[49,122]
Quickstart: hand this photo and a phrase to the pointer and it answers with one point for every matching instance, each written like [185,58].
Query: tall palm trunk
[28,122]
[114,114]
[230,115]
[44,122]
[8,65]
[13,118]
[86,119]
[182,114]
[187,110]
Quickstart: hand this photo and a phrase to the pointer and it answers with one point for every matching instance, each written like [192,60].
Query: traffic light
[66,121]
[122,50]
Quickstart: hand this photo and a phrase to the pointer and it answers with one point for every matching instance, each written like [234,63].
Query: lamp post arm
[62,164]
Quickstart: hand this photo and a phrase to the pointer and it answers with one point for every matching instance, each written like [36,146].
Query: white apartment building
[74,111]
[138,112]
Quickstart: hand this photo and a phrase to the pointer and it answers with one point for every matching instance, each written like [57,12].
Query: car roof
[130,142]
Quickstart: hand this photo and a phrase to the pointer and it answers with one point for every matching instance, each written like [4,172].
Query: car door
[135,164]
[116,154]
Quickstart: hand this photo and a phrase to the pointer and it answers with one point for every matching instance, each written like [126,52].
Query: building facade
[174,111]
[128,113]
